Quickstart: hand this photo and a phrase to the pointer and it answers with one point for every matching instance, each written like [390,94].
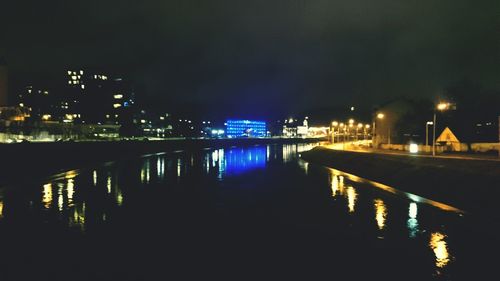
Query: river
[256,212]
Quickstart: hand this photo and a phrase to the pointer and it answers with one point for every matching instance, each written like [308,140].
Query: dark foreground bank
[25,161]
[470,185]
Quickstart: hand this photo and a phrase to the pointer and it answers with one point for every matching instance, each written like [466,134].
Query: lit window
[83,86]
[118,96]
[116,105]
[69,72]
[81,72]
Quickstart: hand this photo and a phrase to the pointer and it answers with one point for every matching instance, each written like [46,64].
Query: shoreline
[25,161]
[473,186]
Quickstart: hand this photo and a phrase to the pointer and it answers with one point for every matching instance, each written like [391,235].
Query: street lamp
[427,132]
[334,124]
[379,116]
[360,125]
[442,106]
[367,126]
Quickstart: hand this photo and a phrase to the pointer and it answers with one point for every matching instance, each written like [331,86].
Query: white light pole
[334,124]
[427,132]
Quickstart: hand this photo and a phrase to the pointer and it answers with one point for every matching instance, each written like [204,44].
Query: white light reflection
[351,198]
[178,167]
[207,163]
[60,198]
[108,183]
[70,188]
[380,213]
[304,165]
[438,245]
[334,185]
[78,218]
[215,157]
[222,163]
[94,177]
[412,222]
[47,195]
[119,197]
[160,168]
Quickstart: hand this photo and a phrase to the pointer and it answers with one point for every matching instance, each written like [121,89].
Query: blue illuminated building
[245,128]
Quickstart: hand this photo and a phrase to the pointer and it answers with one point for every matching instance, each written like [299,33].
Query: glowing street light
[380,116]
[367,127]
[334,125]
[442,106]
[427,132]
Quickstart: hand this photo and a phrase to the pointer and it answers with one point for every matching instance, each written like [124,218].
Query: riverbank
[470,185]
[25,161]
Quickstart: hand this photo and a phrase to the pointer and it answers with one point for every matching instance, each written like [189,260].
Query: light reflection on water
[380,213]
[62,196]
[381,209]
[351,198]
[440,248]
[412,220]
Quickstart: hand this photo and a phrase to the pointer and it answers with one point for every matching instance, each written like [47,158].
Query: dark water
[240,213]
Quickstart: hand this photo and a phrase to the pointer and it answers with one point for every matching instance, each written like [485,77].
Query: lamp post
[427,132]
[374,132]
[360,125]
[341,126]
[442,106]
[334,125]
[367,126]
[351,124]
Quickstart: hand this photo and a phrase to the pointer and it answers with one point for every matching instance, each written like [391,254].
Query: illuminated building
[290,128]
[96,97]
[245,128]
[38,102]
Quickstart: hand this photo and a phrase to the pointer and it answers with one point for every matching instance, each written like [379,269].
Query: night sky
[260,57]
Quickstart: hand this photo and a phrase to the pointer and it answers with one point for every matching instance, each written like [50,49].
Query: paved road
[363,149]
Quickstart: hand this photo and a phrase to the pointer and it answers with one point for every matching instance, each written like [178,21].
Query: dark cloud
[267,56]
